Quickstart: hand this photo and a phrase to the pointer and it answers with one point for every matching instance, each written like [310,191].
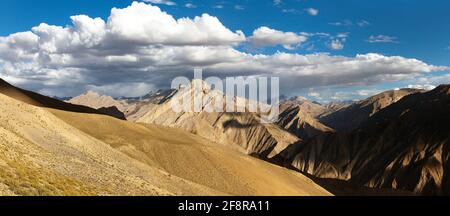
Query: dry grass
[23,178]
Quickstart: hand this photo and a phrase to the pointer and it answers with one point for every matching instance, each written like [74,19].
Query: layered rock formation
[347,118]
[404,146]
[299,116]
[241,130]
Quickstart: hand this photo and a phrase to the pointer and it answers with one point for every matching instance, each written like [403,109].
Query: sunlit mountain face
[252,98]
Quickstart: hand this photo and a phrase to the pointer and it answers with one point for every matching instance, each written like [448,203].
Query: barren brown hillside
[42,155]
[193,158]
[36,99]
[45,151]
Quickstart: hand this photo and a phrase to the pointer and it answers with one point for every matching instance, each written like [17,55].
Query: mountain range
[395,142]
[400,141]
[50,147]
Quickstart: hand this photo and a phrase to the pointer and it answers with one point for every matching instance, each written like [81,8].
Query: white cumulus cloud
[265,36]
[147,24]
[140,47]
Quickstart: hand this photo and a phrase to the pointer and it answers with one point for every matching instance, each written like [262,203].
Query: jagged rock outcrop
[140,106]
[404,146]
[298,116]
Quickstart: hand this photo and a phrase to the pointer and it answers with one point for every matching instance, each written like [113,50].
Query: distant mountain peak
[350,117]
[97,101]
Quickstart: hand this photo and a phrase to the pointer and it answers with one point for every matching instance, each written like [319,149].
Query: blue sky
[408,28]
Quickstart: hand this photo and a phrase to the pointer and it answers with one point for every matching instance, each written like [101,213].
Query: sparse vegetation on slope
[42,155]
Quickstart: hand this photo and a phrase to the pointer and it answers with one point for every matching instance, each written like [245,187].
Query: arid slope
[193,158]
[36,99]
[42,155]
[46,151]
